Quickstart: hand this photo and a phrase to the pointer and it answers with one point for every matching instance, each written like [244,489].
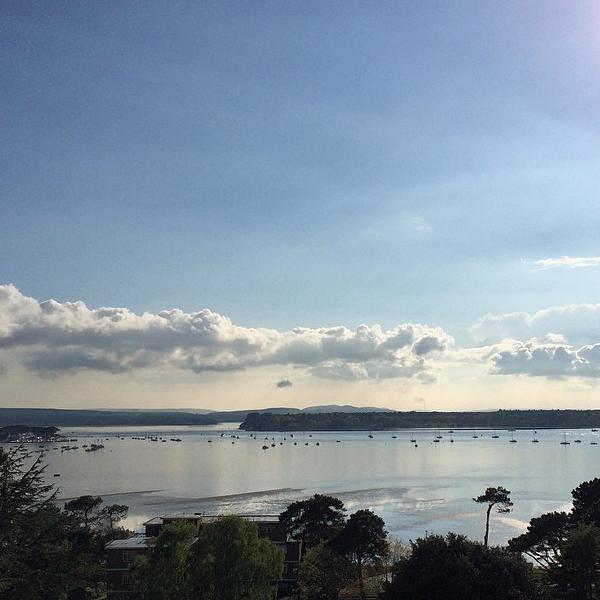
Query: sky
[377,203]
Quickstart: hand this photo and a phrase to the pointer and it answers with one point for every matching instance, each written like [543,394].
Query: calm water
[413,489]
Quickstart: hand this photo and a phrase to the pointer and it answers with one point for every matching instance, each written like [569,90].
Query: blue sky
[302,164]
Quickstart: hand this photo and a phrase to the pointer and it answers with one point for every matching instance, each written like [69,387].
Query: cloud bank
[547,360]
[53,338]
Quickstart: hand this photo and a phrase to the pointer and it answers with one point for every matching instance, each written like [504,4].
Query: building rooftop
[210,518]
[253,518]
[134,542]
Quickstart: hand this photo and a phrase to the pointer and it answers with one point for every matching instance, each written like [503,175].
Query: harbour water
[427,488]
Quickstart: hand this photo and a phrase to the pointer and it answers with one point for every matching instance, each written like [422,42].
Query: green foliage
[494,497]
[84,507]
[363,540]
[454,568]
[577,574]
[231,562]
[324,573]
[543,539]
[46,553]
[566,546]
[112,514]
[164,573]
[314,520]
[586,503]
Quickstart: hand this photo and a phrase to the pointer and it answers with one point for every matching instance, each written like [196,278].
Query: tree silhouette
[314,520]
[363,539]
[586,503]
[580,562]
[543,539]
[455,568]
[114,513]
[324,573]
[84,506]
[499,497]
[45,553]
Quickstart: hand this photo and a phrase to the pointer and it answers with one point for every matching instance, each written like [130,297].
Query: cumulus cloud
[568,262]
[577,324]
[547,360]
[284,383]
[53,338]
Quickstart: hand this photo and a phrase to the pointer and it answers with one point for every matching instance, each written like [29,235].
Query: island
[374,421]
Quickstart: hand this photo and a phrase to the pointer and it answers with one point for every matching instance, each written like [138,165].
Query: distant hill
[97,418]
[240,415]
[116,417]
[232,416]
[341,408]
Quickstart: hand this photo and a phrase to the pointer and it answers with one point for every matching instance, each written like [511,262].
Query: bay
[417,490]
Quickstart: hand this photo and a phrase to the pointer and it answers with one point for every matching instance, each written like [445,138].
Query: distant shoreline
[501,419]
[296,420]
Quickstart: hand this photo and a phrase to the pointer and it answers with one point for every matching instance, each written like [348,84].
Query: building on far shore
[120,554]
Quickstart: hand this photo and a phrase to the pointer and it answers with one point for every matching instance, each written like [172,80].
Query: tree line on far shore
[373,421]
[49,552]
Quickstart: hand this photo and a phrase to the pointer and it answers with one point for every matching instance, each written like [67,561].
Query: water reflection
[412,488]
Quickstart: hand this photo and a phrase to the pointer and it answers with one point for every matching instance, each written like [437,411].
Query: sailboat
[512,439]
[564,442]
[535,440]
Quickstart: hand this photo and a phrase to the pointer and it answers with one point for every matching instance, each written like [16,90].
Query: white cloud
[52,338]
[547,360]
[577,324]
[568,262]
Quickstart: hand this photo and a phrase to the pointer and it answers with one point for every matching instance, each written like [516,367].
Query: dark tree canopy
[45,554]
[454,568]
[363,540]
[586,503]
[315,519]
[22,489]
[543,539]
[85,507]
[324,573]
[579,569]
[164,573]
[566,545]
[230,562]
[112,514]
